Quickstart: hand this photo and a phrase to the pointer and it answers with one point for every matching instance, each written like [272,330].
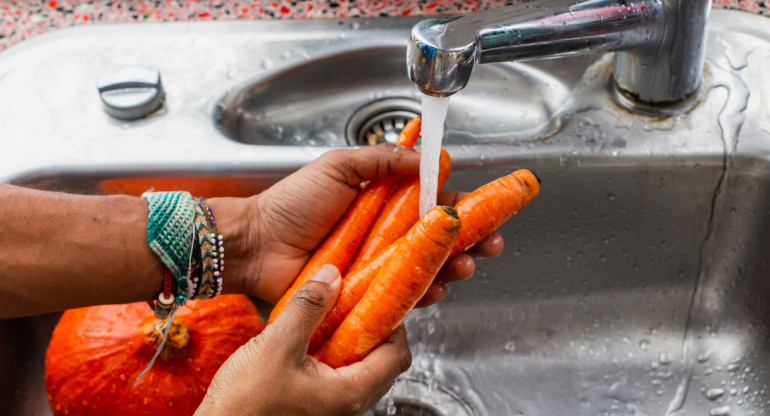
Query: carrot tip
[537,177]
[451,211]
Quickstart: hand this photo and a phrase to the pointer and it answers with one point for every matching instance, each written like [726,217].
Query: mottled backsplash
[21,19]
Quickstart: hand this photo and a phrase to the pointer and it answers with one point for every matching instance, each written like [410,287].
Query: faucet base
[631,102]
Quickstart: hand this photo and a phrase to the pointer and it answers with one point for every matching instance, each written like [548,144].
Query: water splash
[391,407]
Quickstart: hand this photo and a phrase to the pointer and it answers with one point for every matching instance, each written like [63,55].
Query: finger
[457,269]
[435,293]
[352,166]
[304,312]
[491,246]
[380,368]
[451,198]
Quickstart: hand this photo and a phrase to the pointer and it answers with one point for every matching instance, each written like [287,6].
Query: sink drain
[407,409]
[380,121]
[413,397]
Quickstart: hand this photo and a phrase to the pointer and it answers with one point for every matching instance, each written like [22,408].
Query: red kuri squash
[97,353]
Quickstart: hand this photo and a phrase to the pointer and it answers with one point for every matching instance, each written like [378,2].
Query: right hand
[272,374]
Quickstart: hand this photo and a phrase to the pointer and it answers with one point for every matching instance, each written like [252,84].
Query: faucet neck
[660,42]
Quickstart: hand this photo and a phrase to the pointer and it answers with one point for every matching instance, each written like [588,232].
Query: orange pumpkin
[97,353]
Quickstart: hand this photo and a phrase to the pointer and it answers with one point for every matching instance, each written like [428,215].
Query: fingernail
[326,274]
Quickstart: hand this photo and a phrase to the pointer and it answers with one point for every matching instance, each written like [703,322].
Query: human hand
[273,375]
[290,220]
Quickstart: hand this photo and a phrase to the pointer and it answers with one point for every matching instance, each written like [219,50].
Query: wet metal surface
[635,284]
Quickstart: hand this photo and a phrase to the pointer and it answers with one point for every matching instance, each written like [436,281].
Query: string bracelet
[170,235]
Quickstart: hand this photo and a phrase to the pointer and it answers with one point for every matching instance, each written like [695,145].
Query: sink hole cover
[380,121]
[413,397]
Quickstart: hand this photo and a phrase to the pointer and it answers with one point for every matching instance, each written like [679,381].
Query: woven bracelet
[170,233]
[206,286]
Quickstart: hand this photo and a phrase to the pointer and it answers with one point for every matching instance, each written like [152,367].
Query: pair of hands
[272,374]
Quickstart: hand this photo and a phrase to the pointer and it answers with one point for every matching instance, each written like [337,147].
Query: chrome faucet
[659,44]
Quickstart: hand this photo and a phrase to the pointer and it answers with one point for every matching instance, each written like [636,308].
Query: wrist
[233,218]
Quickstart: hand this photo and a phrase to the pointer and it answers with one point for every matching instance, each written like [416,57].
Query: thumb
[306,310]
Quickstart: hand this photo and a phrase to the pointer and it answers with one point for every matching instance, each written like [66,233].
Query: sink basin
[313,102]
[635,284]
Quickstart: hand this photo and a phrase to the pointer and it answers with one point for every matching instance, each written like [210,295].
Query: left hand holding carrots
[288,221]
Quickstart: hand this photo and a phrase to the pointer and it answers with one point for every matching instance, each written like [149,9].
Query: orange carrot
[398,215]
[399,284]
[410,133]
[354,285]
[487,208]
[343,242]
[481,212]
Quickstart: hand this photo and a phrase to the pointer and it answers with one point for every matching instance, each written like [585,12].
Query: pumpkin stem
[178,336]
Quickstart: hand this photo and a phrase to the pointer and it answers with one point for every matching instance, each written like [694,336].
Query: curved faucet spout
[443,51]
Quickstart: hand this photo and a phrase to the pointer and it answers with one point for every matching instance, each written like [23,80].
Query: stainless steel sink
[634,285]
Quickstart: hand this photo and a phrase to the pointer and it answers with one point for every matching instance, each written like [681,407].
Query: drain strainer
[380,121]
[413,397]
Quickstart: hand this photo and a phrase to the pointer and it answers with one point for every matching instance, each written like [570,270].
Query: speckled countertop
[21,19]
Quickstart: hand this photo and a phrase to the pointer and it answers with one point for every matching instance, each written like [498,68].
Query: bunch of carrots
[389,256]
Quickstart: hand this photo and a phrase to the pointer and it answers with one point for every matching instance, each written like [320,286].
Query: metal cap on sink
[131,92]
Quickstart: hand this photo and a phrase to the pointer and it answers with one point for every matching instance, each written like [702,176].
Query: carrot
[399,284]
[354,285]
[410,133]
[399,213]
[481,212]
[490,206]
[343,242]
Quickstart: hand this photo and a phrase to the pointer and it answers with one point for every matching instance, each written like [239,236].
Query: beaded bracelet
[219,249]
[164,304]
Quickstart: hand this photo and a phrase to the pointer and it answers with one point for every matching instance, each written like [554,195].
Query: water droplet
[644,344]
[266,64]
[704,356]
[720,411]
[510,346]
[732,367]
[665,358]
[715,393]
[286,54]
[391,410]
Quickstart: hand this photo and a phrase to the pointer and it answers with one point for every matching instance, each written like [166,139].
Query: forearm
[62,251]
